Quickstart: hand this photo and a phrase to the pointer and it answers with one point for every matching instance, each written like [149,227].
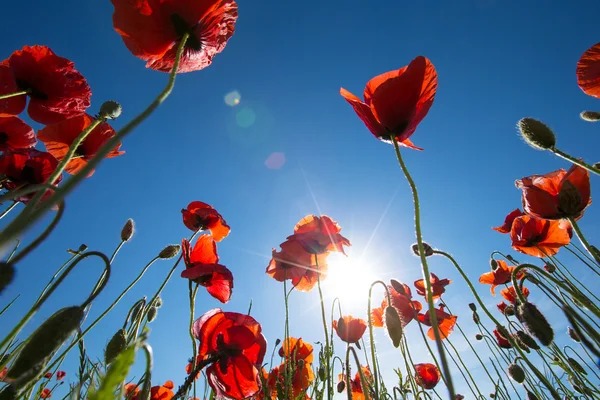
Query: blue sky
[497,62]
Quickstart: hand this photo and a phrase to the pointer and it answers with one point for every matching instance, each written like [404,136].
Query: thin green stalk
[147,375]
[24,220]
[464,368]
[9,209]
[583,240]
[62,267]
[286,336]
[371,336]
[327,349]
[14,94]
[9,304]
[590,266]
[425,271]
[192,294]
[575,161]
[363,382]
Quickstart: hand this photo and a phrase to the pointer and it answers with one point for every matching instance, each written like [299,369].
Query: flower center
[3,137]
[28,174]
[33,92]
[181,28]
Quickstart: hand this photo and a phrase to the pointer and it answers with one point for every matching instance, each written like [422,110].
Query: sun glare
[347,279]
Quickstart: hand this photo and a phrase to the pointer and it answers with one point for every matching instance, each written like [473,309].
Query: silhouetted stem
[583,240]
[575,161]
[9,209]
[183,389]
[192,293]
[425,271]
[363,381]
[371,336]
[148,374]
[327,349]
[14,94]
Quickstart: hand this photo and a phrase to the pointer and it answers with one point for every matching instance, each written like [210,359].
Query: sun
[347,278]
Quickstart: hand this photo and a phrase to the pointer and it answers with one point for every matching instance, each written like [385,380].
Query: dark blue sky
[497,61]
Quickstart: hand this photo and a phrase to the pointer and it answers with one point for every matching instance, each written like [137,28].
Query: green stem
[575,161]
[590,266]
[583,240]
[327,349]
[425,271]
[24,220]
[9,209]
[192,294]
[14,94]
[147,376]
[371,336]
[363,381]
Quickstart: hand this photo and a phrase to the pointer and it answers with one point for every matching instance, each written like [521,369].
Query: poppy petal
[588,71]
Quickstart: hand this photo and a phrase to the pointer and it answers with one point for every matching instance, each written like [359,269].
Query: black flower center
[181,28]
[3,137]
[33,92]
[28,174]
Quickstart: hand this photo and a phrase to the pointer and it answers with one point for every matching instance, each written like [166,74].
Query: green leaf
[116,375]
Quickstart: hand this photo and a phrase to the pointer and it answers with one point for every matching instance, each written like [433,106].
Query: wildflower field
[261,229]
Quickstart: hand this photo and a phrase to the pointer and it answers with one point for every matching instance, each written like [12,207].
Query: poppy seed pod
[536,134]
[472,306]
[7,274]
[169,252]
[549,267]
[516,373]
[44,342]
[479,336]
[115,346]
[535,323]
[341,386]
[576,366]
[393,325]
[476,318]
[590,116]
[569,199]
[152,314]
[573,335]
[127,231]
[527,340]
[531,396]
[277,342]
[110,109]
[426,248]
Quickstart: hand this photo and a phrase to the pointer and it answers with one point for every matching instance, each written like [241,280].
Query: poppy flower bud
[398,287]
[277,342]
[127,231]
[493,264]
[569,199]
[152,313]
[479,336]
[169,252]
[590,116]
[426,247]
[573,335]
[110,109]
[492,395]
[527,340]
[511,259]
[44,343]
[535,322]
[550,268]
[531,396]
[576,366]
[509,310]
[459,397]
[472,306]
[158,302]
[322,374]
[516,373]
[136,311]
[394,325]
[7,274]
[341,386]
[476,318]
[536,134]
[597,165]
[115,346]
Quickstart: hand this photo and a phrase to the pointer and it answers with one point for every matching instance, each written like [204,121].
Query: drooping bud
[573,335]
[493,264]
[110,109]
[393,325]
[527,340]
[576,366]
[536,134]
[511,259]
[428,250]
[550,268]
[277,342]
[509,310]
[322,374]
[398,287]
[158,303]
[472,306]
[535,322]
[341,386]
[152,313]
[476,318]
[127,231]
[590,116]
[531,396]
[569,199]
[44,343]
[7,274]
[516,373]
[478,336]
[115,346]
[169,252]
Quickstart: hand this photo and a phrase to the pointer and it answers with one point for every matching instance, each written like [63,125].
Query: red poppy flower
[511,296]
[588,71]
[26,167]
[132,391]
[501,340]
[46,393]
[397,101]
[438,286]
[239,346]
[350,329]
[152,30]
[539,237]
[15,134]
[163,392]
[56,89]
[319,235]
[302,378]
[556,195]
[502,307]
[508,221]
[3,373]
[58,138]
[169,384]
[202,266]
[297,349]
[60,375]
[201,216]
[355,384]
[499,276]
[406,307]
[48,375]
[377,317]
[445,321]
[427,375]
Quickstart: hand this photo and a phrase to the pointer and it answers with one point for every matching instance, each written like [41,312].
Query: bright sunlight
[348,278]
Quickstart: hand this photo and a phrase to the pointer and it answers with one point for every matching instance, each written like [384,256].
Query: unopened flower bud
[459,397]
[569,199]
[493,264]
[472,306]
[531,396]
[428,250]
[509,310]
[527,340]
[115,346]
[516,373]
[398,287]
[110,109]
[590,116]
[169,252]
[158,303]
[535,322]
[536,134]
[322,374]
[152,313]
[550,268]
[393,325]
[341,386]
[44,342]
[476,318]
[576,366]
[7,274]
[127,231]
[479,336]
[573,335]
[511,259]
[277,342]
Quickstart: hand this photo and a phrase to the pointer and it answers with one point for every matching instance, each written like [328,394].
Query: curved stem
[62,267]
[327,348]
[14,94]
[363,381]
[425,271]
[148,374]
[575,161]
[192,294]
[583,240]
[590,266]
[25,220]
[371,336]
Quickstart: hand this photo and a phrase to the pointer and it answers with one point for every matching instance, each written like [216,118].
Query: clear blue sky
[498,61]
